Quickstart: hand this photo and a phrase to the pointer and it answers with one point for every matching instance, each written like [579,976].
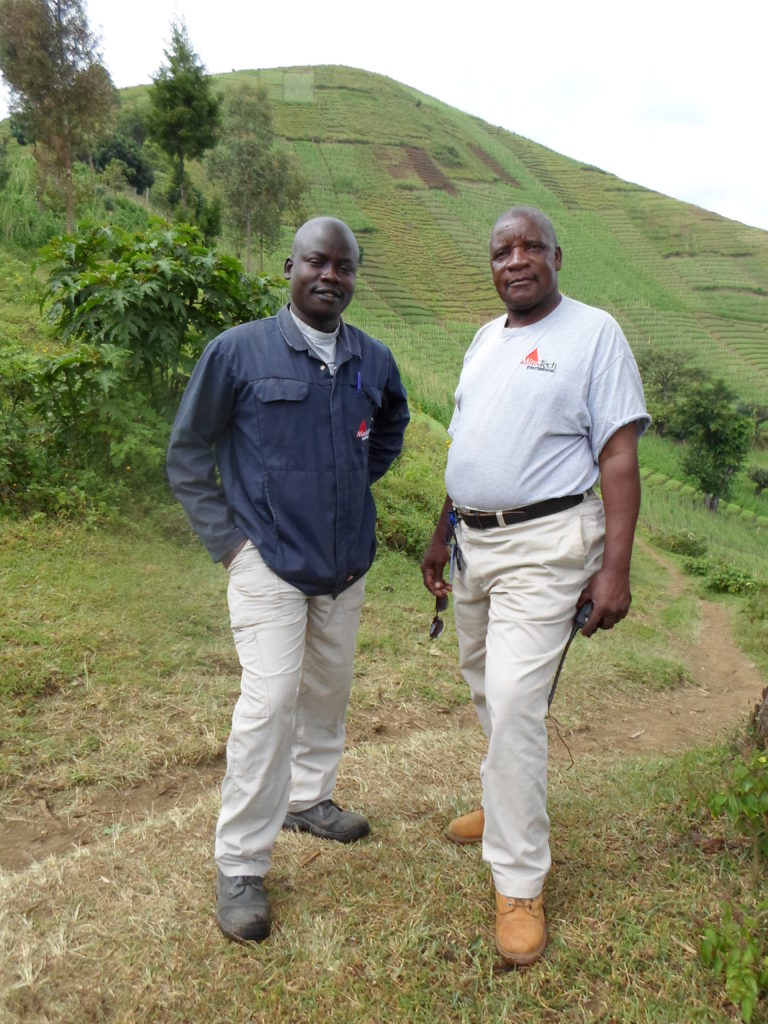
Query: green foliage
[679,543]
[61,95]
[720,577]
[157,296]
[22,457]
[758,412]
[718,438]
[74,431]
[133,312]
[668,377]
[736,949]
[184,113]
[688,404]
[759,477]
[125,151]
[745,799]
[259,181]
[24,222]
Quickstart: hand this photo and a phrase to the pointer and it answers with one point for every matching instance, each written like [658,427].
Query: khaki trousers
[514,603]
[296,654]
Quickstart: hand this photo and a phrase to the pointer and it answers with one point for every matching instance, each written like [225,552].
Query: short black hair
[317,222]
[535,214]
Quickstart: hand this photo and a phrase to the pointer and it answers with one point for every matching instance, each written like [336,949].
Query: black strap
[581,617]
[510,516]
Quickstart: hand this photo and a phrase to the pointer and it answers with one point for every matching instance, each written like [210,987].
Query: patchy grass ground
[119,685]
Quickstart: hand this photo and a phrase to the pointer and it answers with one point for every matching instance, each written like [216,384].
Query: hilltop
[421,184]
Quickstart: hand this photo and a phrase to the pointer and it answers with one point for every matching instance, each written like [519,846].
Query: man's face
[322,271]
[524,265]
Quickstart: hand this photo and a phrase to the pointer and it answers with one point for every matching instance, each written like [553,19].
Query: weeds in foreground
[736,951]
[736,946]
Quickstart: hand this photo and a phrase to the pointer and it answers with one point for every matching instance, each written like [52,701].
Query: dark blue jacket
[296,449]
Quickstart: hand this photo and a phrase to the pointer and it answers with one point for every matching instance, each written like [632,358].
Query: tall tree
[258,179]
[61,93]
[717,439]
[184,113]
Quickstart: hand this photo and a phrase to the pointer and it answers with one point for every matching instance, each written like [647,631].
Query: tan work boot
[521,929]
[468,828]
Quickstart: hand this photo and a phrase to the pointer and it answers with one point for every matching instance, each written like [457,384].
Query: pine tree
[184,113]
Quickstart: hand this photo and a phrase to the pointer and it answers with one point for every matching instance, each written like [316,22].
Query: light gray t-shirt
[535,406]
[322,344]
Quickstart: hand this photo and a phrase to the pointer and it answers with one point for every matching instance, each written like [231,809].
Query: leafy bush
[745,799]
[719,577]
[133,312]
[158,295]
[759,477]
[127,152]
[679,543]
[737,949]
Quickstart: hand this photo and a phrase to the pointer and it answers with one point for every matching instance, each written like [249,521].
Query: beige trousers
[296,654]
[514,603]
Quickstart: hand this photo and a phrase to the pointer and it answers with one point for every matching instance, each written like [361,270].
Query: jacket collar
[347,344]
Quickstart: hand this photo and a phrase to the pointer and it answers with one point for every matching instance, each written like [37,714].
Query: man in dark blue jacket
[285,424]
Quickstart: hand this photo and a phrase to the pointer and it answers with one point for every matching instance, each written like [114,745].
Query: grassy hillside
[421,183]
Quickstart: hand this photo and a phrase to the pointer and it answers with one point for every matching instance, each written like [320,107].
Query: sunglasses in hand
[437,627]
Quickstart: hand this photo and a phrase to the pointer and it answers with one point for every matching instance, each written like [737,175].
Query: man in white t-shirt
[549,400]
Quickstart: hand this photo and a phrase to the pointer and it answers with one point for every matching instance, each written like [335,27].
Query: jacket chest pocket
[278,390]
[285,422]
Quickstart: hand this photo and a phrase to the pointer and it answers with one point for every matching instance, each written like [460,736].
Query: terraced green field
[421,184]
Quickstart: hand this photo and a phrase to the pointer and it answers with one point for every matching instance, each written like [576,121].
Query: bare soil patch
[494,166]
[428,171]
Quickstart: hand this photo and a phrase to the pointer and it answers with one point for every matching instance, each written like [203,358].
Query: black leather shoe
[242,907]
[328,821]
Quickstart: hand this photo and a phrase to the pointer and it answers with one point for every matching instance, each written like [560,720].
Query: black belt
[487,520]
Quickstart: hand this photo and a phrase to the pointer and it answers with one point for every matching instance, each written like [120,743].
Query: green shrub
[719,577]
[744,800]
[133,311]
[158,295]
[679,543]
[737,949]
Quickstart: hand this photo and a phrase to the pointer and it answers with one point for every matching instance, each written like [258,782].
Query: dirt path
[725,688]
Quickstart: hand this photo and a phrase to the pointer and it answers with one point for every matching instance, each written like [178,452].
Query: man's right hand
[437,555]
[433,564]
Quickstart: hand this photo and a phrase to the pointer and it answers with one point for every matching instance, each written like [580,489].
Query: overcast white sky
[669,94]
